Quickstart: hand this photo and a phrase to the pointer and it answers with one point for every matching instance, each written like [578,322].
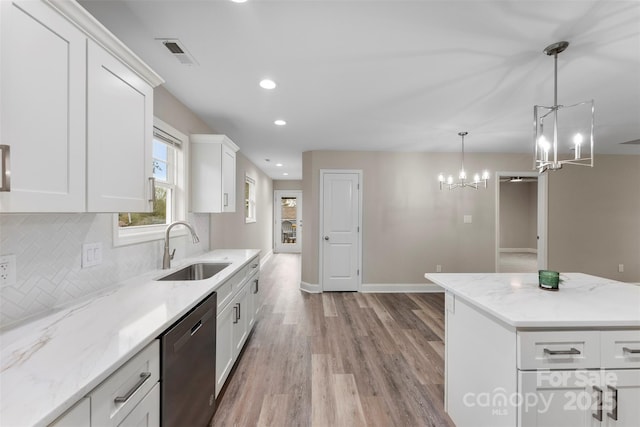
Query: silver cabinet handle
[235,314]
[598,414]
[254,265]
[239,313]
[257,286]
[630,350]
[614,410]
[226,199]
[143,377]
[5,168]
[572,351]
[326,237]
[152,182]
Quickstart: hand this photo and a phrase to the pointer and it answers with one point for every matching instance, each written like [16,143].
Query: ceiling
[390,75]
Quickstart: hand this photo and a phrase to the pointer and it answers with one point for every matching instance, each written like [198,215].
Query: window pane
[159,150]
[158,216]
[160,169]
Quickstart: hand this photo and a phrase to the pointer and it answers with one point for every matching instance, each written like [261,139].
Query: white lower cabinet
[79,415]
[573,378]
[128,397]
[236,318]
[580,398]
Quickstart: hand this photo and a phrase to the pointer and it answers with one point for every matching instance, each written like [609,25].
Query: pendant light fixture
[462,176]
[562,133]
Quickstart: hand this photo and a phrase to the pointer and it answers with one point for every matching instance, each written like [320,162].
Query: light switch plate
[468,219]
[91,254]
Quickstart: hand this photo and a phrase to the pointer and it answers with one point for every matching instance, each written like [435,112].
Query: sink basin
[198,271]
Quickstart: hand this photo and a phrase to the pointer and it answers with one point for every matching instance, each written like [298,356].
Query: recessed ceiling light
[279,165]
[280,122]
[267,84]
[239,1]
[285,173]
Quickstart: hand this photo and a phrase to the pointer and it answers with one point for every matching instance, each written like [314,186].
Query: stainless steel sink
[198,271]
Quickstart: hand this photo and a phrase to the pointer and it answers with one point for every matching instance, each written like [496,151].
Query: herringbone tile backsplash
[48,259]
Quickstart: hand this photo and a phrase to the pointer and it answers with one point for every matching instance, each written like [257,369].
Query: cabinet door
[42,108]
[79,415]
[228,179]
[560,398]
[622,407]
[119,132]
[240,327]
[147,413]
[224,345]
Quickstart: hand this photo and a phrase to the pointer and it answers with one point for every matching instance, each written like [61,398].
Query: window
[169,204]
[249,199]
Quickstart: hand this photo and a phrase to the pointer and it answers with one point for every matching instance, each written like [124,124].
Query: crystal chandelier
[562,133]
[462,176]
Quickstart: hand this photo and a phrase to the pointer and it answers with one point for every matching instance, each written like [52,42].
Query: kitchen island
[518,355]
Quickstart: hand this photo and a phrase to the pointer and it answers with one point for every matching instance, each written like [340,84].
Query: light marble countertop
[515,298]
[49,363]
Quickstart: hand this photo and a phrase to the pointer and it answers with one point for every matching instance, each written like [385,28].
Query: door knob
[326,237]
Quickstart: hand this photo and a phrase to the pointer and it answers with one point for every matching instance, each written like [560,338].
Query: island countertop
[49,363]
[582,300]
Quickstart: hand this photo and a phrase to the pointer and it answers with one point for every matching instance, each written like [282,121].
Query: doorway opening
[521,222]
[288,221]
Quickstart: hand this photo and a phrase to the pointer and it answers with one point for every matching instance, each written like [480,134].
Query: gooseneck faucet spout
[167,257]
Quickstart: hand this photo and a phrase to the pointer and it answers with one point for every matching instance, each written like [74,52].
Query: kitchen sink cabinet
[76,113]
[213,173]
[78,415]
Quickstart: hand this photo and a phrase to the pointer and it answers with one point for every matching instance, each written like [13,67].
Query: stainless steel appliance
[188,368]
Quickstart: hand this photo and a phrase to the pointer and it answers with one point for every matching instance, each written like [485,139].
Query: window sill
[135,235]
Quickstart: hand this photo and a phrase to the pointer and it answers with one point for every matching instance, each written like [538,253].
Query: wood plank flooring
[337,359]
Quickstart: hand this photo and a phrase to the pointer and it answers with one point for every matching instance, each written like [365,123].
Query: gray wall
[518,218]
[409,225]
[594,218]
[291,184]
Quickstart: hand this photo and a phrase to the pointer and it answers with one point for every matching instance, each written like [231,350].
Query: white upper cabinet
[43,83]
[119,136]
[213,173]
[76,113]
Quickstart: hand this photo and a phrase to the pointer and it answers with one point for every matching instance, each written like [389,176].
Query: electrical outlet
[438,268]
[7,270]
[91,254]
[467,219]
[620,268]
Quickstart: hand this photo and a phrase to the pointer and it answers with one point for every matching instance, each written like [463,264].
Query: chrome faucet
[167,257]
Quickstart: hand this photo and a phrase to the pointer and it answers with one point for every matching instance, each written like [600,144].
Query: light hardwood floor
[337,359]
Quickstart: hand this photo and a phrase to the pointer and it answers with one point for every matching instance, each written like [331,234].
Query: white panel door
[42,120]
[340,227]
[120,132]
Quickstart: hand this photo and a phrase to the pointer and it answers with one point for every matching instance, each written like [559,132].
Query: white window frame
[148,233]
[250,205]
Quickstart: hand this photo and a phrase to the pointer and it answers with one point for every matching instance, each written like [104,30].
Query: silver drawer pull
[630,350]
[143,377]
[254,265]
[572,351]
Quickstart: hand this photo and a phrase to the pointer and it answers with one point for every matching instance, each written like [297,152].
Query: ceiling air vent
[178,50]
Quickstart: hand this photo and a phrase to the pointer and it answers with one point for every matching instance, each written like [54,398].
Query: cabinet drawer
[147,413]
[620,349]
[225,292]
[119,394]
[558,349]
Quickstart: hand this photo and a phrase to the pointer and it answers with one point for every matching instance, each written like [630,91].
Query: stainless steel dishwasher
[188,368]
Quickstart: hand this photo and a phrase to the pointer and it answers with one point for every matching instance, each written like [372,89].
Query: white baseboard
[528,250]
[400,288]
[310,288]
[380,288]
